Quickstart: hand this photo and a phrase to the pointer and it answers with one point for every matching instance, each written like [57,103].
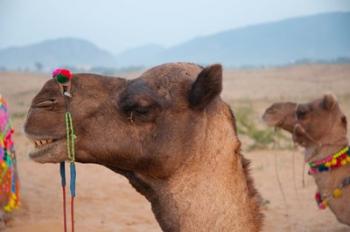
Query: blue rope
[72,178]
[63,174]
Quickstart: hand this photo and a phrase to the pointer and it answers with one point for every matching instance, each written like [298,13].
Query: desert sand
[105,200]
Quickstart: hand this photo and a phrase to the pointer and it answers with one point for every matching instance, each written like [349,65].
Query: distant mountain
[317,37]
[140,56]
[55,53]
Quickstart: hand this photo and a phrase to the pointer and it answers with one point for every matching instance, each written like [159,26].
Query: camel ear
[328,101]
[206,87]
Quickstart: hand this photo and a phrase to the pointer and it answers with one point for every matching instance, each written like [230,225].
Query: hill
[55,53]
[317,37]
[321,37]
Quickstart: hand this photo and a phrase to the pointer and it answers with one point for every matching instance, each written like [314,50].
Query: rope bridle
[63,78]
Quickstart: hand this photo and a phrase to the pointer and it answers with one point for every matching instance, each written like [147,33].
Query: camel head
[314,123]
[146,124]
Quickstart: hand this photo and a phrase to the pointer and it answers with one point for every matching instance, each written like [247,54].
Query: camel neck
[324,149]
[210,190]
[206,198]
[323,178]
[327,182]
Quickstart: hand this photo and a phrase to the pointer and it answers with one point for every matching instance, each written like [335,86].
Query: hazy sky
[116,25]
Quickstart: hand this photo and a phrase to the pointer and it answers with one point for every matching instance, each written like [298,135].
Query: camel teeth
[39,143]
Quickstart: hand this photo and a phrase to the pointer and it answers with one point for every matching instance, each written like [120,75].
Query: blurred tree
[38,66]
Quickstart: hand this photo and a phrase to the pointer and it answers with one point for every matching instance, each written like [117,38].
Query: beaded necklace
[323,200]
[331,162]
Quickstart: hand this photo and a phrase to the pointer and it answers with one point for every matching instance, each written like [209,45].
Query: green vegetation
[259,137]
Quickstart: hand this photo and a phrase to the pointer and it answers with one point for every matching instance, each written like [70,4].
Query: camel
[168,132]
[321,128]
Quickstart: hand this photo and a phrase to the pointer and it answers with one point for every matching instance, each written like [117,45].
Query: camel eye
[141,110]
[136,109]
[145,113]
[344,121]
[301,114]
[139,107]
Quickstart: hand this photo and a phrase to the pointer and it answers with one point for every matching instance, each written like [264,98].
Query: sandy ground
[106,201]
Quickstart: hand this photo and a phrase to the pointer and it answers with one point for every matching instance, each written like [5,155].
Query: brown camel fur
[168,132]
[321,128]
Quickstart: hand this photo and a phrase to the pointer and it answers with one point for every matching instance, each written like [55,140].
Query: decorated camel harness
[63,78]
[330,163]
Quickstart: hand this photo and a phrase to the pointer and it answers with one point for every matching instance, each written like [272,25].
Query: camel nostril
[271,110]
[46,103]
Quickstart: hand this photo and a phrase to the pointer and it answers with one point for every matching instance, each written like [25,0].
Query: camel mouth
[44,150]
[43,142]
[271,121]
[41,147]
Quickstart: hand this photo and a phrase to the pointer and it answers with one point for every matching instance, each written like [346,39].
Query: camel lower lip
[268,121]
[42,150]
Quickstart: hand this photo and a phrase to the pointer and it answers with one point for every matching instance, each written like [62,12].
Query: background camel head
[317,122]
[149,123]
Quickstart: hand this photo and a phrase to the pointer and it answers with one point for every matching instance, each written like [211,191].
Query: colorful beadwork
[331,162]
[9,184]
[62,75]
[322,201]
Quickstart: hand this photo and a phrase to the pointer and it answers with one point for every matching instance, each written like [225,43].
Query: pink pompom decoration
[62,75]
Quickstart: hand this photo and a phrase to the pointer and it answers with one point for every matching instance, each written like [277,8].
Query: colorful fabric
[9,184]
